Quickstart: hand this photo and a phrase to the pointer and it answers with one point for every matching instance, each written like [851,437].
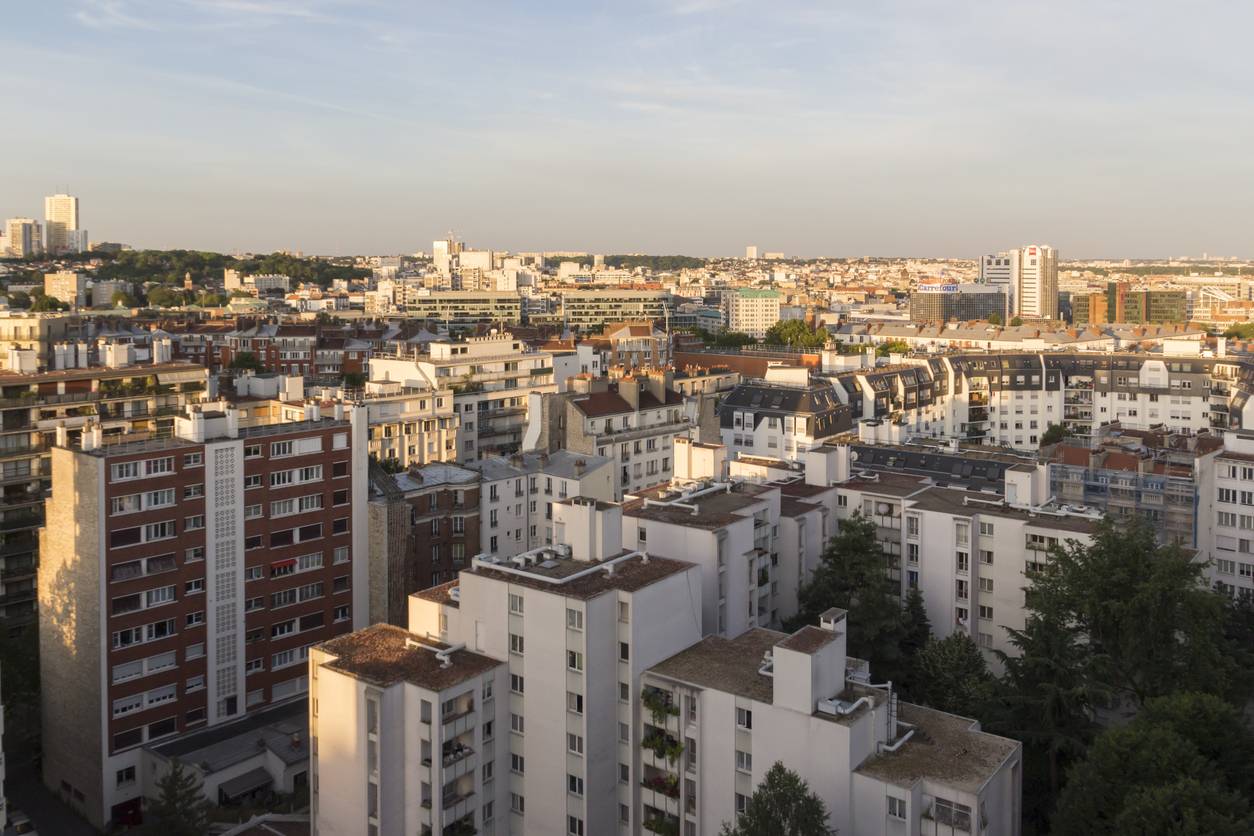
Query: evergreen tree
[782,805]
[952,676]
[853,575]
[917,633]
[180,808]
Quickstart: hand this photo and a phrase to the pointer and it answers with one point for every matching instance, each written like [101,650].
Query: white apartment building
[1029,276]
[781,417]
[634,421]
[720,713]
[587,310]
[62,234]
[517,493]
[24,237]
[410,425]
[751,311]
[490,377]
[577,625]
[1225,515]
[407,735]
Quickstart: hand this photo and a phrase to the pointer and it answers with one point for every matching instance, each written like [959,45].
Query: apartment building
[67,286]
[781,417]
[634,345]
[24,237]
[1225,516]
[408,424]
[517,493]
[408,735]
[134,402]
[589,310]
[491,379]
[577,625]
[633,421]
[424,528]
[751,311]
[34,335]
[183,581]
[455,309]
[717,715]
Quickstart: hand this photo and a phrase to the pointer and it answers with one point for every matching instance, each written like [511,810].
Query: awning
[283,564]
[242,785]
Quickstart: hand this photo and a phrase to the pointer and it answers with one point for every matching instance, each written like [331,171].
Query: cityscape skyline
[685,127]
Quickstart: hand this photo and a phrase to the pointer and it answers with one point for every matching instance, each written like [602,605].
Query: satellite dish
[853,455]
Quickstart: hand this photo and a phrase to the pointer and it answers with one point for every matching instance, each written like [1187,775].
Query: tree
[1244,331]
[995,319]
[41,302]
[246,360]
[1181,767]
[164,297]
[121,297]
[180,808]
[796,334]
[892,347]
[1053,434]
[732,339]
[1016,321]
[19,299]
[917,633]
[853,575]
[354,380]
[1143,610]
[782,804]
[952,676]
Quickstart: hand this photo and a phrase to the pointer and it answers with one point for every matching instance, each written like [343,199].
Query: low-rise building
[783,416]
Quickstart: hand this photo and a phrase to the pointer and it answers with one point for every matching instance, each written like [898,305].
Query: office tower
[24,236]
[942,302]
[183,581]
[1029,276]
[61,224]
[751,253]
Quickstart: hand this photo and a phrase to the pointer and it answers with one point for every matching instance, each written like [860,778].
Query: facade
[424,529]
[410,735]
[636,345]
[67,286]
[136,402]
[1029,276]
[718,714]
[1226,516]
[751,311]
[517,493]
[24,237]
[61,229]
[964,302]
[410,425]
[183,582]
[632,421]
[589,310]
[457,309]
[781,417]
[577,625]
[491,379]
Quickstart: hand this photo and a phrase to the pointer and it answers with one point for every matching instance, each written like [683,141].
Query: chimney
[63,435]
[232,422]
[629,390]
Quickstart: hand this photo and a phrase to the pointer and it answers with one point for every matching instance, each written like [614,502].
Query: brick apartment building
[184,580]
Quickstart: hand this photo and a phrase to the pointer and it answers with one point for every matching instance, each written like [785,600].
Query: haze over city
[689,126]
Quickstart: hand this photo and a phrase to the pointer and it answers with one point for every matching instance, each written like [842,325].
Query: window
[196,619]
[986,613]
[341,554]
[986,528]
[744,718]
[624,774]
[986,584]
[624,652]
[517,764]
[126,776]
[896,807]
[194,523]
[574,744]
[744,761]
[986,557]
[515,604]
[624,733]
[516,802]
[159,596]
[574,619]
[516,723]
[516,683]
[252,481]
[193,460]
[574,786]
[194,587]
[574,660]
[515,644]
[574,702]
[742,803]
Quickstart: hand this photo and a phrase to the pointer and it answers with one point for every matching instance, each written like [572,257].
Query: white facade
[61,224]
[751,311]
[1029,275]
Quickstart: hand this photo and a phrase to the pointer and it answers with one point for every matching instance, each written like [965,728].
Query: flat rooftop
[562,575]
[714,510]
[954,501]
[283,729]
[385,655]
[887,484]
[945,748]
[728,665]
[562,464]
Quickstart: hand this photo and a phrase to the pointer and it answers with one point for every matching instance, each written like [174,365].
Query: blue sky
[693,126]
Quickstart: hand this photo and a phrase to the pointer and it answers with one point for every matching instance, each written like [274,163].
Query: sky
[841,128]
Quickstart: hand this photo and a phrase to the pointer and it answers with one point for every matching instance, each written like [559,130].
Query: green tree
[732,339]
[180,808]
[1016,321]
[917,632]
[782,804]
[1181,767]
[892,347]
[207,299]
[354,380]
[246,360]
[121,297]
[1150,624]
[853,575]
[995,319]
[19,299]
[796,334]
[43,302]
[952,676]
[164,297]
[1244,331]
[1053,434]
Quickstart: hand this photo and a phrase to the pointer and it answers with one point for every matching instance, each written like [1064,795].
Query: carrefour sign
[938,288]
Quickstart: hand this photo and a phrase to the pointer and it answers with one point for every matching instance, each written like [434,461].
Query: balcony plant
[659,704]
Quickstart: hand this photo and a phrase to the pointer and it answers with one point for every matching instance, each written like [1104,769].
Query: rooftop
[283,729]
[728,665]
[945,748]
[714,510]
[562,575]
[385,655]
[954,501]
[808,639]
[887,484]
[563,464]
